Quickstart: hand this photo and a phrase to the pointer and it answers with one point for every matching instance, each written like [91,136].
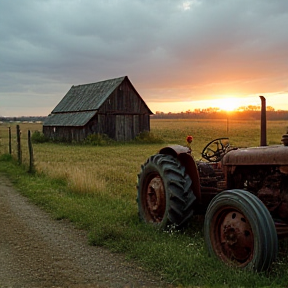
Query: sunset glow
[229,104]
[278,102]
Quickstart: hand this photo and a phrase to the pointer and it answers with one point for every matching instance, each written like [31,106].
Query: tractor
[242,192]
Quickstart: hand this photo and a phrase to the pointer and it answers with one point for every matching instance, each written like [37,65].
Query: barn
[112,107]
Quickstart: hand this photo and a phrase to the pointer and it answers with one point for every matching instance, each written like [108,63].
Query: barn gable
[111,107]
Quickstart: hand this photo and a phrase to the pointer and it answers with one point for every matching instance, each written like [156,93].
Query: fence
[12,141]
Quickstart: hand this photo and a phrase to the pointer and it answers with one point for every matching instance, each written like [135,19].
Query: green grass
[95,188]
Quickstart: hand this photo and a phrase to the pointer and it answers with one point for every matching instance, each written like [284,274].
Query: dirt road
[36,251]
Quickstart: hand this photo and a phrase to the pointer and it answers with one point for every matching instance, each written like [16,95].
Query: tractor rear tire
[165,196]
[239,229]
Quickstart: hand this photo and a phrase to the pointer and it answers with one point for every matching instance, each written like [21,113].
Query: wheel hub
[230,235]
[156,199]
[236,238]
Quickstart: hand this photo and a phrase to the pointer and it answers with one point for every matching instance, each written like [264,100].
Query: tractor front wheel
[239,230]
[165,195]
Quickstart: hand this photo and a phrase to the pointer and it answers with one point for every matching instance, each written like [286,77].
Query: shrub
[38,137]
[98,140]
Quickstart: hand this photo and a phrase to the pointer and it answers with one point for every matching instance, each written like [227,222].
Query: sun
[228,104]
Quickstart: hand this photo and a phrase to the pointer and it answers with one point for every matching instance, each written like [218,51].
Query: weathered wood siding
[66,134]
[124,100]
[123,115]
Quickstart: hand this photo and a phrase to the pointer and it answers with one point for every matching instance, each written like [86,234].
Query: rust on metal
[270,197]
[174,150]
[155,199]
[283,169]
[265,155]
[232,237]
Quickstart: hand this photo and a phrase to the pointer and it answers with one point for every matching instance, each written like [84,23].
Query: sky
[179,55]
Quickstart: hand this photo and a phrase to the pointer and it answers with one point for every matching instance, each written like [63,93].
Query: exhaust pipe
[263,140]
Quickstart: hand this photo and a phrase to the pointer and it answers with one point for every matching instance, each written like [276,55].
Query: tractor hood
[263,155]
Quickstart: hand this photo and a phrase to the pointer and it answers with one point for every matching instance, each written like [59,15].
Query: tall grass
[95,187]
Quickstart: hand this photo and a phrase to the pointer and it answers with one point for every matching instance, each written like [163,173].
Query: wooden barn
[112,107]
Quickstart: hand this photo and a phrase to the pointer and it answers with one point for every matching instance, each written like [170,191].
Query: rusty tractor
[242,192]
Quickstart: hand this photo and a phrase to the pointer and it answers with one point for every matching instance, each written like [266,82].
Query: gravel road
[37,251]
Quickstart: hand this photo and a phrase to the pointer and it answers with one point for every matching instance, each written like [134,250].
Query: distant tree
[253,108]
[270,108]
[242,108]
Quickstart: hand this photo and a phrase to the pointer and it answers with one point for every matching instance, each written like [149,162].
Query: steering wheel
[214,150]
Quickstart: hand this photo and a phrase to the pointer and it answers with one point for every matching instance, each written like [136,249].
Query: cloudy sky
[179,55]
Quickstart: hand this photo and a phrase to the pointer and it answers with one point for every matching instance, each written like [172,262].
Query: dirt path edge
[37,251]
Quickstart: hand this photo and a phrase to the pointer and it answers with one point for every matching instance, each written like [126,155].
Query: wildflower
[189,139]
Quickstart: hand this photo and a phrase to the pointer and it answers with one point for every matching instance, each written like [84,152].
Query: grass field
[95,187]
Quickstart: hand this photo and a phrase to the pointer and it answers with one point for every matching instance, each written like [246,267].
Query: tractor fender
[183,154]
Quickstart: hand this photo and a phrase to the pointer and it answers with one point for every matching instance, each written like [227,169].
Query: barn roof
[69,119]
[87,97]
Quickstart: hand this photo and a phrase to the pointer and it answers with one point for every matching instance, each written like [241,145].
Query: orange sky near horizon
[228,103]
[278,102]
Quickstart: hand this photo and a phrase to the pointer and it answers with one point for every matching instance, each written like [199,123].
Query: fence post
[10,145]
[19,152]
[31,162]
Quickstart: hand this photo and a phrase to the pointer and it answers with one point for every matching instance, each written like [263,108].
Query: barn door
[124,128]
[120,128]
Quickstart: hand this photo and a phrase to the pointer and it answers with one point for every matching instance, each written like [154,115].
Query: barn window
[54,129]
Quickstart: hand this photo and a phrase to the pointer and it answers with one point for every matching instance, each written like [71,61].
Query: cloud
[171,50]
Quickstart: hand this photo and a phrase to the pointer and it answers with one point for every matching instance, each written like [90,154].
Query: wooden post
[31,162]
[19,152]
[10,144]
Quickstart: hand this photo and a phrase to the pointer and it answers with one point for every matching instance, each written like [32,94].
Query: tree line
[215,113]
[23,119]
